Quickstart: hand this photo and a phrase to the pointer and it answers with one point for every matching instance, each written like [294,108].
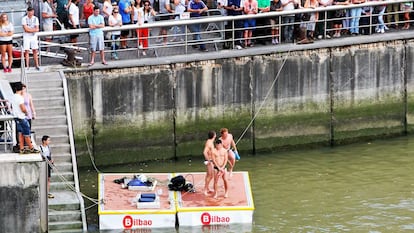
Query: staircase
[66,210]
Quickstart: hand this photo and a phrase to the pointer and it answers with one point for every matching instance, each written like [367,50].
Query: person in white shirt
[6,42]
[288,5]
[73,19]
[22,125]
[145,15]
[115,20]
[47,16]
[30,25]
[47,155]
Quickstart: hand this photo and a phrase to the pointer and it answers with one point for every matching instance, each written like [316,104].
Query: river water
[367,187]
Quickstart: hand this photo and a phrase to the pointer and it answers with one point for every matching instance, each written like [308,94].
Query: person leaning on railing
[196,8]
[406,7]
[289,20]
[115,20]
[355,17]
[125,10]
[321,29]
[339,15]
[307,26]
[262,24]
[178,8]
[275,5]
[250,8]
[235,7]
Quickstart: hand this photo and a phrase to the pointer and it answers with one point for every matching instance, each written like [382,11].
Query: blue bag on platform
[148,195]
[143,199]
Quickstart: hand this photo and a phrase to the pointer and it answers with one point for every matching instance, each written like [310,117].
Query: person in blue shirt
[125,10]
[96,22]
[196,8]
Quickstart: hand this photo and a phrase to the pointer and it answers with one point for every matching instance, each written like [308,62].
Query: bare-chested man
[208,160]
[229,144]
[220,161]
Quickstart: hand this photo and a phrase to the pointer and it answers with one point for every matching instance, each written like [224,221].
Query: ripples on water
[356,188]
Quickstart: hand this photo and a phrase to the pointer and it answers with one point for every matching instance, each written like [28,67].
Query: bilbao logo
[207,219]
[127,222]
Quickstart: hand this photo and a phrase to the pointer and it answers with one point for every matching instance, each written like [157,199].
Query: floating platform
[119,207]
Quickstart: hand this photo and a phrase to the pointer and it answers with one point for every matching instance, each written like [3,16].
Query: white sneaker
[382,30]
[273,41]
[239,47]
[320,37]
[144,53]
[140,46]
[328,36]
[276,41]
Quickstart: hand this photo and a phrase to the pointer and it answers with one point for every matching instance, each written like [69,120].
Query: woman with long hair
[87,11]
[145,15]
[6,42]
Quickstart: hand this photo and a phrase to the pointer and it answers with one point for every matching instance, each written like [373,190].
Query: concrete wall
[22,207]
[327,96]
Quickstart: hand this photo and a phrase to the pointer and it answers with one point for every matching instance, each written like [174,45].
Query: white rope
[90,155]
[267,95]
[67,183]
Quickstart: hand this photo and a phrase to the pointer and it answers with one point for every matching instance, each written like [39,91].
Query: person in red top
[87,11]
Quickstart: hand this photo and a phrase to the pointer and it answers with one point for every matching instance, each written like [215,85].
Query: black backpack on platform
[177,183]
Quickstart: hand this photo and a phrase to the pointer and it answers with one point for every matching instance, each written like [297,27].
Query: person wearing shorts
[30,24]
[96,22]
[22,125]
[125,10]
[48,15]
[6,42]
[46,154]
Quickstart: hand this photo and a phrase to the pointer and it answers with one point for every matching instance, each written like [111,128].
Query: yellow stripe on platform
[200,209]
[112,212]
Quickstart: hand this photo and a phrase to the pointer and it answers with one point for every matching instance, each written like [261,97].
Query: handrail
[213,18]
[72,150]
[213,33]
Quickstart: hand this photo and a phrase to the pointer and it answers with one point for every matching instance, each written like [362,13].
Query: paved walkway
[172,55]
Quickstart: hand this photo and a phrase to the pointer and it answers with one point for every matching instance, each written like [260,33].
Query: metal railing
[213,31]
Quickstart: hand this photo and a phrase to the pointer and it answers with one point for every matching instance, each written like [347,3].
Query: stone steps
[48,97]
[45,120]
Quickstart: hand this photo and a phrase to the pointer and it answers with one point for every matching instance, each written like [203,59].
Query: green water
[365,187]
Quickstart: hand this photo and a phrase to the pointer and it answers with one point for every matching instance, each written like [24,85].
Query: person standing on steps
[22,125]
[47,156]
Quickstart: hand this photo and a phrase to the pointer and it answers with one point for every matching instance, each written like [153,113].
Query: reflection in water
[357,188]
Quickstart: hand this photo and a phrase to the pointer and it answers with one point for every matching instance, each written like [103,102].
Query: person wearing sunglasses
[145,15]
[115,20]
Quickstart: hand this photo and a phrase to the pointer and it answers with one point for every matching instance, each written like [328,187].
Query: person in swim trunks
[208,160]
[220,161]
[228,144]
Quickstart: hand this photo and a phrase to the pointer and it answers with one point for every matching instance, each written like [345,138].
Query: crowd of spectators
[300,28]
